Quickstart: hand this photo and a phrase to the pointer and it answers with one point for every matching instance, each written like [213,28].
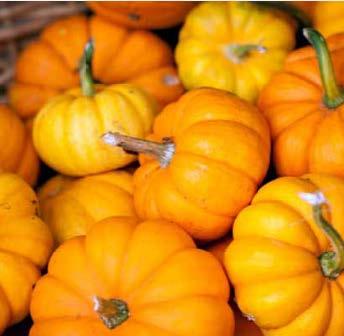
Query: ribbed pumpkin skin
[25,245]
[273,259]
[203,56]
[164,280]
[17,153]
[307,137]
[49,65]
[143,14]
[222,153]
[67,131]
[71,206]
[328,17]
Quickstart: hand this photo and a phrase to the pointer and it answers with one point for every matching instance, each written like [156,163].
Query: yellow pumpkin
[286,260]
[25,246]
[71,206]
[67,131]
[234,46]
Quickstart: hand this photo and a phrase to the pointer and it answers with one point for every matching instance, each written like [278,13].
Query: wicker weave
[20,22]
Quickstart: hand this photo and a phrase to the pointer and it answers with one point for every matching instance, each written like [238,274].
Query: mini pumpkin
[162,288]
[303,106]
[49,65]
[234,46]
[25,245]
[207,136]
[71,206]
[17,152]
[143,14]
[67,130]
[328,17]
[286,259]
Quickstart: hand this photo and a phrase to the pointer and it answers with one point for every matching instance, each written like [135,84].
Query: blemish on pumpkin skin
[134,16]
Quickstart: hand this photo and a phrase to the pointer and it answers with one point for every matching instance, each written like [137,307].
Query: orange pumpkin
[25,245]
[67,131]
[49,65]
[328,17]
[161,289]
[208,136]
[17,152]
[304,109]
[143,14]
[71,206]
[286,259]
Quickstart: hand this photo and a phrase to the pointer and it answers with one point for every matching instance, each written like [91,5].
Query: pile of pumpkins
[152,249]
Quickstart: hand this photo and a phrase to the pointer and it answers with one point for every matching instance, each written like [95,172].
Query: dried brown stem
[163,152]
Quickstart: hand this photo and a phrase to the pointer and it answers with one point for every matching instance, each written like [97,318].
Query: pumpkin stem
[85,70]
[238,52]
[163,152]
[331,262]
[113,312]
[334,94]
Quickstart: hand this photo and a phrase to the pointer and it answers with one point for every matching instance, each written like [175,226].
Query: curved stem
[334,94]
[163,152]
[331,262]
[85,71]
[113,312]
[237,52]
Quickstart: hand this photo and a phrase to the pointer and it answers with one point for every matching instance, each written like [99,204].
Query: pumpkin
[286,257]
[143,14]
[304,106]
[17,152]
[71,206]
[207,136]
[25,245]
[234,46]
[49,65]
[67,130]
[161,289]
[328,17]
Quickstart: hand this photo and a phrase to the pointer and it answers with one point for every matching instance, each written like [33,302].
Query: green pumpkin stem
[331,262]
[85,71]
[334,94]
[112,312]
[163,152]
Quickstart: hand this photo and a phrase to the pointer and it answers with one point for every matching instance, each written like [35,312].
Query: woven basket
[20,22]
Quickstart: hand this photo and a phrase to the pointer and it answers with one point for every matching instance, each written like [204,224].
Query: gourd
[207,136]
[49,65]
[25,246]
[128,279]
[71,206]
[234,46]
[287,257]
[303,105]
[67,131]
